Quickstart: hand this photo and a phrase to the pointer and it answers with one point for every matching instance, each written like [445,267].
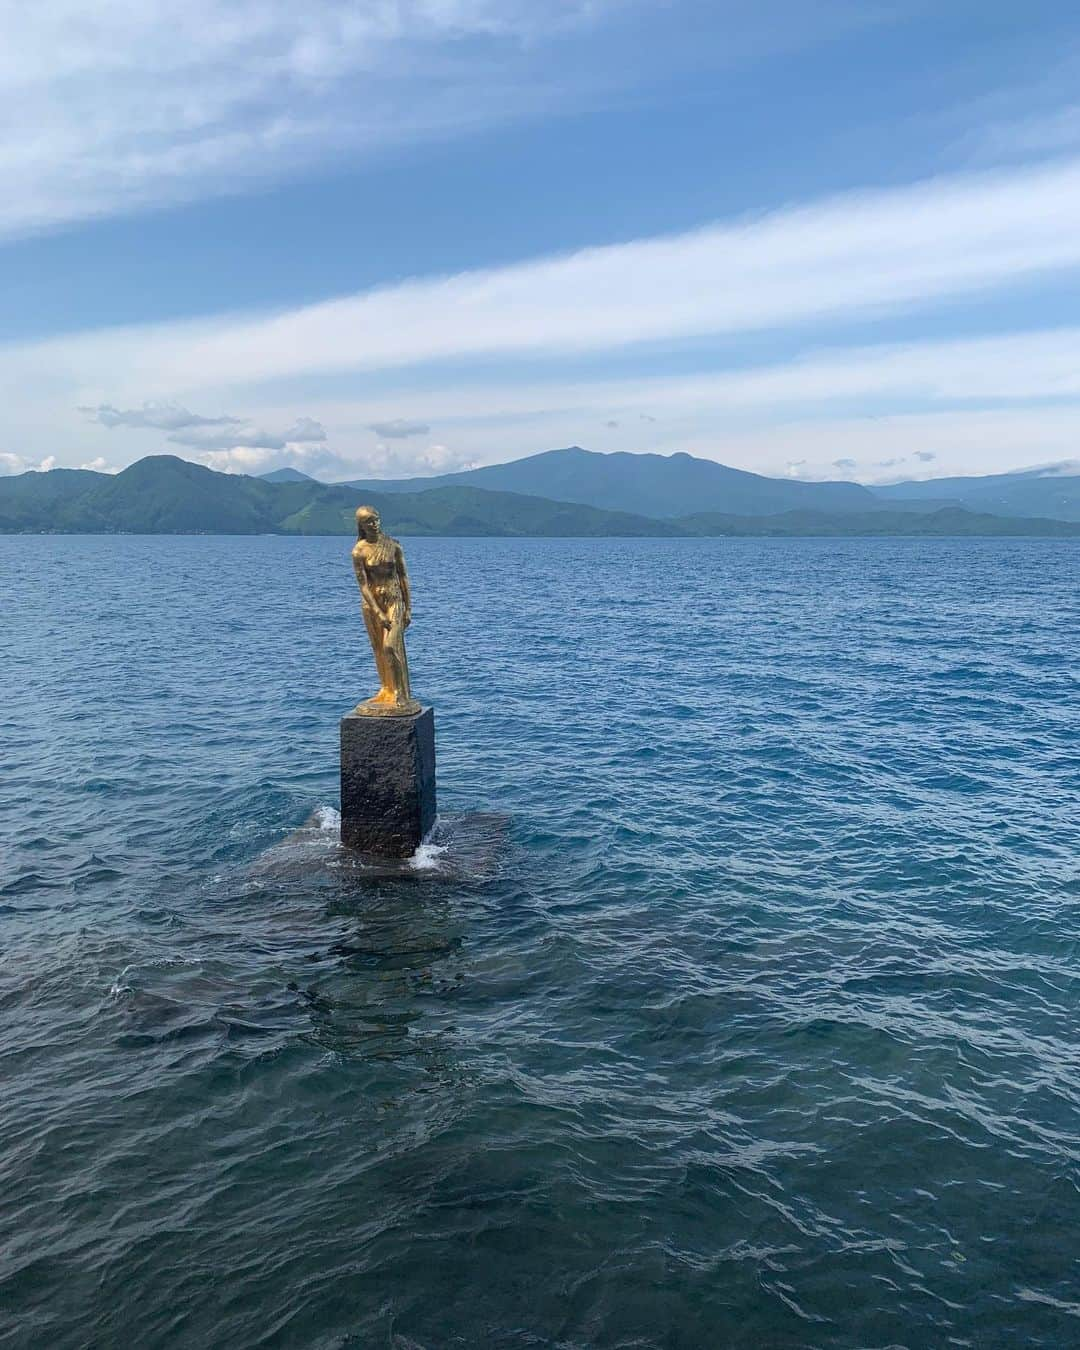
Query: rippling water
[735,1004]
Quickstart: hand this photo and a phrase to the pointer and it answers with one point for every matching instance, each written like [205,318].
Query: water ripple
[733,1003]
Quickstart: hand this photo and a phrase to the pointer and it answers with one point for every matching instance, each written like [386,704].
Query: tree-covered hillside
[166,495]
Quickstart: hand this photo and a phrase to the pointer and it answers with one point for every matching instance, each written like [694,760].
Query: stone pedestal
[387,782]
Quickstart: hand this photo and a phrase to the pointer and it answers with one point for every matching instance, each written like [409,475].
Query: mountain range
[1035,492]
[665,486]
[676,495]
[166,495]
[669,486]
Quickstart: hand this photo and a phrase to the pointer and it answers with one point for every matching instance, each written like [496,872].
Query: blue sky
[829,239]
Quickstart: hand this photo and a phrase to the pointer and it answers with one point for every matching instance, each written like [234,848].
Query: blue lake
[736,1004]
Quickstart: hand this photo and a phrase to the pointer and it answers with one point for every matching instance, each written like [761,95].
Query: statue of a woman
[387,604]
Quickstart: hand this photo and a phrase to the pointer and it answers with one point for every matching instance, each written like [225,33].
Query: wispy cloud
[160,416]
[864,254]
[123,106]
[305,431]
[224,441]
[398,428]
[869,254]
[984,441]
[1025,368]
[302,436]
[1052,131]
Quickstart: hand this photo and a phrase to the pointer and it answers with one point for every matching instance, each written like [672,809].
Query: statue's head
[367,523]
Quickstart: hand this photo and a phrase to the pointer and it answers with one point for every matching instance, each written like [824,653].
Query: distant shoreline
[1065,536]
[163,495]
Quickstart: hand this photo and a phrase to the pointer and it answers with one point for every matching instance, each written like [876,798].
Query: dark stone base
[387,782]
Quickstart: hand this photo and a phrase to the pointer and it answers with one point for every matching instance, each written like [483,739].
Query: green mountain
[166,495]
[1036,492]
[464,511]
[646,485]
[32,501]
[286,475]
[672,486]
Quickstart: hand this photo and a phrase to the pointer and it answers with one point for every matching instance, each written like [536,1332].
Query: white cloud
[99,465]
[399,428]
[239,459]
[123,106]
[226,442]
[870,254]
[305,430]
[1030,377]
[393,461]
[1017,368]
[11,464]
[314,459]
[224,433]
[237,433]
[443,459]
[493,425]
[1054,131]
[982,441]
[299,438]
[161,416]
[721,412]
[863,254]
[224,438]
[126,106]
[1013,368]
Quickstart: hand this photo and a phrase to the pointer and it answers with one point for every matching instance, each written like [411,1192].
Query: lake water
[736,1004]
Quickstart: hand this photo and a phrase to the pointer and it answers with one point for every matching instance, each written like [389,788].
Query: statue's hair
[366,513]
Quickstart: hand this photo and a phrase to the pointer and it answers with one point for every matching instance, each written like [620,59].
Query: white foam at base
[327,818]
[426,858]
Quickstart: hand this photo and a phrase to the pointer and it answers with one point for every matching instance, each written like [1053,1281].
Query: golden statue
[387,604]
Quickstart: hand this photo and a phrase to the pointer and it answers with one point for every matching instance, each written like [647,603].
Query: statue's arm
[366,595]
[406,593]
